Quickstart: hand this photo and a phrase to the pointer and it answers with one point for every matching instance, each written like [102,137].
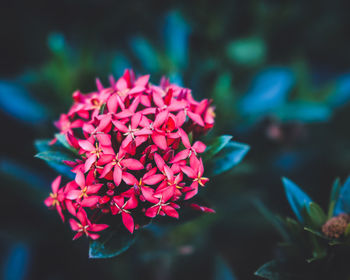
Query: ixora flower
[134,154]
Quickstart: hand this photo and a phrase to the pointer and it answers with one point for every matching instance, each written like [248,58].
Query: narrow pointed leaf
[297,199]
[218,144]
[334,196]
[230,156]
[275,271]
[61,138]
[342,204]
[316,215]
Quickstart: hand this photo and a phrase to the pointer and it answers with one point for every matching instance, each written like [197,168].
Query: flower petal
[80,179]
[132,164]
[86,145]
[153,179]
[129,179]
[196,118]
[159,140]
[128,221]
[170,211]
[104,139]
[89,162]
[73,194]
[117,175]
[199,147]
[90,201]
[152,211]
[98,227]
[56,184]
[74,224]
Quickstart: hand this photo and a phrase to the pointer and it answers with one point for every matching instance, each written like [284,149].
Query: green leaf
[297,199]
[214,148]
[334,196]
[230,156]
[102,108]
[316,215]
[347,230]
[61,138]
[55,156]
[111,244]
[318,250]
[55,160]
[293,226]
[315,232]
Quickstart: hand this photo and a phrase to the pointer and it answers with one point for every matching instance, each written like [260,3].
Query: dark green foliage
[111,243]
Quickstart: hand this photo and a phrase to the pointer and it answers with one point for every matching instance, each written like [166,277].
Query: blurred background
[279,75]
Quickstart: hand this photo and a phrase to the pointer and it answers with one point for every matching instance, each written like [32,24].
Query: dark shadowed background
[279,75]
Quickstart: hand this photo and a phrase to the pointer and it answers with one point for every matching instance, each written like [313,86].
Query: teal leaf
[111,243]
[274,271]
[230,156]
[176,33]
[146,53]
[307,112]
[54,156]
[297,199]
[61,138]
[247,51]
[20,104]
[56,42]
[55,160]
[269,91]
[42,145]
[341,94]
[16,265]
[342,204]
[218,144]
[334,197]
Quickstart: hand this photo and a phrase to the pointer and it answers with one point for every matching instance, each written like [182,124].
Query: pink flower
[196,148]
[56,197]
[87,193]
[195,172]
[84,226]
[122,207]
[135,154]
[118,163]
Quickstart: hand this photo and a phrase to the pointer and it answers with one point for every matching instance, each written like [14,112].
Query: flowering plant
[317,242]
[132,150]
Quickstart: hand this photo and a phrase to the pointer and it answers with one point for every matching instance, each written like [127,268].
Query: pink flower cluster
[137,158]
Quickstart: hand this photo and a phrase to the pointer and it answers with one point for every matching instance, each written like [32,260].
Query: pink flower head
[136,156]
[84,226]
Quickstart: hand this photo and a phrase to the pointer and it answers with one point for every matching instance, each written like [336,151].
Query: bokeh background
[278,72]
